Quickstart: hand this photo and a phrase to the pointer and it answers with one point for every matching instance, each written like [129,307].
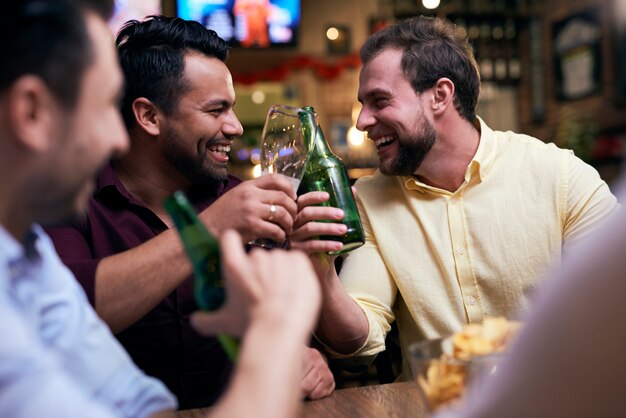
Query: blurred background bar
[553,69]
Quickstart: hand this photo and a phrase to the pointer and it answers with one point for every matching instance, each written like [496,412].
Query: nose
[365,119]
[232,126]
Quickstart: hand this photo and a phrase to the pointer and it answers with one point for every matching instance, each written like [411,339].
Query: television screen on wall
[126,10]
[247,23]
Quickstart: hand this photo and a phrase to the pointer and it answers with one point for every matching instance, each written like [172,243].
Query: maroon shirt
[162,343]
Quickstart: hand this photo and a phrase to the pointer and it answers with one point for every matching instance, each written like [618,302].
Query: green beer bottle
[326,172]
[203,251]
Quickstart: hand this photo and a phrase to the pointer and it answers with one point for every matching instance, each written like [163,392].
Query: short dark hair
[432,48]
[49,39]
[152,57]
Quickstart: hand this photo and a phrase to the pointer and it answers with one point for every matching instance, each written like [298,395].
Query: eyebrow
[218,102]
[374,92]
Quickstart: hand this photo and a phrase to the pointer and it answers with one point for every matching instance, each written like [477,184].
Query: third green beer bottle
[203,252]
[326,172]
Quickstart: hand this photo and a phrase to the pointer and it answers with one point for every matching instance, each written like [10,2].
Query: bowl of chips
[444,367]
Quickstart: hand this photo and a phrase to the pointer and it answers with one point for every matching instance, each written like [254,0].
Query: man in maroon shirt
[178,108]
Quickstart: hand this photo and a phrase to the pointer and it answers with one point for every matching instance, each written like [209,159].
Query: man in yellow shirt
[460,220]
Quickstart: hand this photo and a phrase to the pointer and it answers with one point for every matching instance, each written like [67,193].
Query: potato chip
[445,378]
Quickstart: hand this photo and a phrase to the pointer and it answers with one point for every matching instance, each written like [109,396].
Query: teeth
[220,148]
[383,140]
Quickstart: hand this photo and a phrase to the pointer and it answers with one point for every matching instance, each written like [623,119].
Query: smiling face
[394,115]
[198,134]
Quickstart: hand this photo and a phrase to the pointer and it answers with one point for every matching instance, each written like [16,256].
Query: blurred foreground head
[59,120]
[48,38]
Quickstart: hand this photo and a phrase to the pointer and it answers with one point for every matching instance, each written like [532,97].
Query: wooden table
[393,400]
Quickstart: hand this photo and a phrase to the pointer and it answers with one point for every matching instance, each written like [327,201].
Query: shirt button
[461,250]
[472,301]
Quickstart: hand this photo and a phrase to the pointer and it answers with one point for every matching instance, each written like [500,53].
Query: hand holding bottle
[314,220]
[261,286]
[203,252]
[326,172]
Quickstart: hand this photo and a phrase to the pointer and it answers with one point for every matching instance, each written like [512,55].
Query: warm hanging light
[332,33]
[431,4]
[355,137]
[258,97]
[256,171]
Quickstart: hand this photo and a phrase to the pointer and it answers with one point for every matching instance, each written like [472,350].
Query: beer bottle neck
[320,145]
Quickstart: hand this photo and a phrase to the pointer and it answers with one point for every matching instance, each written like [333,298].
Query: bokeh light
[431,4]
[332,33]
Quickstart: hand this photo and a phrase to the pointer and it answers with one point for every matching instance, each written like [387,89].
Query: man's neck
[146,183]
[445,165]
[16,215]
[16,223]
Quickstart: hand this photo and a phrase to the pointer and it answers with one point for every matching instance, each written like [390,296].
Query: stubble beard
[197,169]
[411,152]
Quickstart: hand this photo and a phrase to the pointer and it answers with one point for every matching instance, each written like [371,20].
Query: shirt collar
[108,179]
[13,250]
[486,152]
[479,165]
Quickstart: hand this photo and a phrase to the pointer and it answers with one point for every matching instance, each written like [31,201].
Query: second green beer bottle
[326,172]
[203,251]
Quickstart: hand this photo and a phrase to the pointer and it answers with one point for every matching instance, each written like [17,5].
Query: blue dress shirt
[57,358]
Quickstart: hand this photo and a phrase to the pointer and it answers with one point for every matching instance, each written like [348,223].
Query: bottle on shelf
[485,51]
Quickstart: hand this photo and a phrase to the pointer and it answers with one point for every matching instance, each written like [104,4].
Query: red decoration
[321,69]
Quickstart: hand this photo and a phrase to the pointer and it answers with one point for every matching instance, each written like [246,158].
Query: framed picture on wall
[577,55]
[339,127]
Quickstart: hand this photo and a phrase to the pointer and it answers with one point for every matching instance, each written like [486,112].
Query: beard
[68,203]
[197,168]
[412,149]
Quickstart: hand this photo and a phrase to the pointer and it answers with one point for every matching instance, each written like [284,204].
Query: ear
[32,112]
[443,95]
[147,115]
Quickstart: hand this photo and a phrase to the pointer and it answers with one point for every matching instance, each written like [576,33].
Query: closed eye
[380,102]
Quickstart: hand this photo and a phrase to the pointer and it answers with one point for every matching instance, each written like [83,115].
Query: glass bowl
[443,379]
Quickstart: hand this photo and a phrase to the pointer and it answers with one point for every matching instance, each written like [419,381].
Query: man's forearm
[269,391]
[131,283]
[342,325]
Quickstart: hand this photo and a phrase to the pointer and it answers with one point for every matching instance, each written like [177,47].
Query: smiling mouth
[219,152]
[220,148]
[384,141]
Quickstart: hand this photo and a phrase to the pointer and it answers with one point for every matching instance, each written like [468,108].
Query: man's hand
[274,287]
[248,209]
[318,381]
[273,301]
[306,230]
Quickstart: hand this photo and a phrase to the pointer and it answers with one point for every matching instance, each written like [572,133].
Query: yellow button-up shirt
[435,260]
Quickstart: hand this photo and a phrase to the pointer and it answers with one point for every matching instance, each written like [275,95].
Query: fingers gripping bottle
[326,172]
